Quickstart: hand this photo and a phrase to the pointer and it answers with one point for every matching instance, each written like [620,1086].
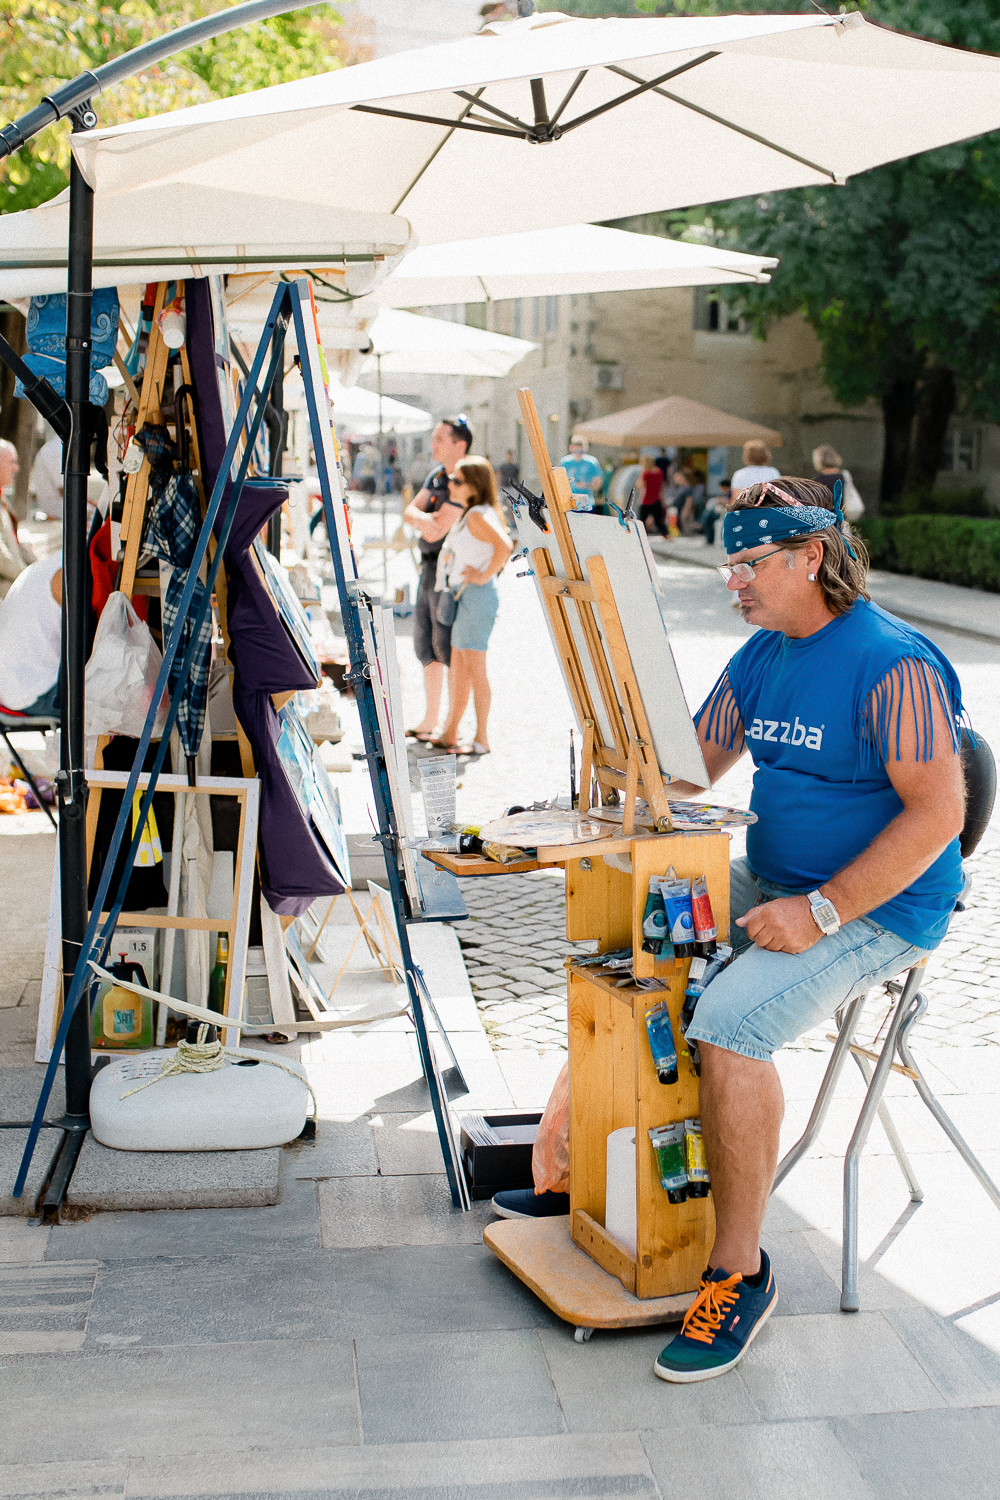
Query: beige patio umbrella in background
[674,422]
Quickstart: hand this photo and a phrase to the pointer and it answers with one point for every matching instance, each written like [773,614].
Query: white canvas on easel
[532,537]
[639,603]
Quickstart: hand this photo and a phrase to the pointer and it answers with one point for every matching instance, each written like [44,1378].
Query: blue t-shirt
[820,734]
[582,472]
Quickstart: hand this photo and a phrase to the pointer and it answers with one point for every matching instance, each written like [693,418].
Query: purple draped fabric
[294,866]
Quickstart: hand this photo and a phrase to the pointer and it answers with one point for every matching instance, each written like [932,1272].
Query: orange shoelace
[703,1317]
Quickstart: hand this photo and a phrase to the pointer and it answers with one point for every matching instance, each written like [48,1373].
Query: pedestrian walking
[476,549]
[829,467]
[586,477]
[432,513]
[510,470]
[757,467]
[651,511]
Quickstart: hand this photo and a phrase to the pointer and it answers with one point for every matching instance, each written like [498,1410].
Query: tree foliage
[898,272]
[44,43]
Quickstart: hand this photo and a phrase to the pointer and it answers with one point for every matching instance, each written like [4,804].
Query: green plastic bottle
[217,981]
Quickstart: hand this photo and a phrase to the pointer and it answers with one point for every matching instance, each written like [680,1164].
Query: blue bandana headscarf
[742,529]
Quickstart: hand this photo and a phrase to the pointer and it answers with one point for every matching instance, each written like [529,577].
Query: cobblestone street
[514,946]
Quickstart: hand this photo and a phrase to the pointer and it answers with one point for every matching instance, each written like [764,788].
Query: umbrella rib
[729,125]
[568,95]
[644,88]
[440,145]
[503,115]
[463,124]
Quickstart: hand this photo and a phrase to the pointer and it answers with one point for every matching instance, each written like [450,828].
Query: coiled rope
[209,1057]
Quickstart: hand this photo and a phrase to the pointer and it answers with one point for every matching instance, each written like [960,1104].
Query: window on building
[959,454]
[551,314]
[712,315]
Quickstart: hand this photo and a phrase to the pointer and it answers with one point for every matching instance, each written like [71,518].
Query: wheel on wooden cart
[581,1335]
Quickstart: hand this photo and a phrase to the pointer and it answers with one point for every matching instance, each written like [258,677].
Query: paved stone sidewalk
[514,945]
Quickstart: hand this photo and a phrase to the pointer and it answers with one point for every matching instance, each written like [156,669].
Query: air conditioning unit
[608,377]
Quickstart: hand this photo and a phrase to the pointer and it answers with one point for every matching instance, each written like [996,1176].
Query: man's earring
[812,577]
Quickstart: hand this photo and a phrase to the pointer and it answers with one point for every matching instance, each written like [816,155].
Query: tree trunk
[935,408]
[12,328]
[899,403]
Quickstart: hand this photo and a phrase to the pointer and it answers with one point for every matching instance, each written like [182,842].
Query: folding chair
[15,723]
[980,783]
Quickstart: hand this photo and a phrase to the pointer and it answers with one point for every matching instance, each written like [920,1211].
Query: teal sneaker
[719,1326]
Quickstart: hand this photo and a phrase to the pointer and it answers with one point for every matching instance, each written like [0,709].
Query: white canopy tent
[174,230]
[531,121]
[559,262]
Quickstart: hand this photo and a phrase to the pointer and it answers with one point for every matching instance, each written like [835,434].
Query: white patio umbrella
[170,231]
[356,410]
[558,262]
[539,122]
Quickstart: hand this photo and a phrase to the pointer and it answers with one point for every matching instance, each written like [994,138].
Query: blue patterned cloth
[46,335]
[171,533]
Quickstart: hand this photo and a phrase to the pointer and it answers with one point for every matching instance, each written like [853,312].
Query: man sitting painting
[852,719]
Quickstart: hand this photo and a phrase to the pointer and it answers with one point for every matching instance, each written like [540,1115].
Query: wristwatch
[824,913]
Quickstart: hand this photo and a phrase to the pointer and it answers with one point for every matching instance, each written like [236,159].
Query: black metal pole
[72,782]
[278,432]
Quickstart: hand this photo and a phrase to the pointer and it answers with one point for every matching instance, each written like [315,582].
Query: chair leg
[827,1088]
[29,778]
[961,1146]
[916,1191]
[849,1300]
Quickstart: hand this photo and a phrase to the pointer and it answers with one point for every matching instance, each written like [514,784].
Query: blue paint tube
[701,974]
[680,918]
[661,1043]
[654,920]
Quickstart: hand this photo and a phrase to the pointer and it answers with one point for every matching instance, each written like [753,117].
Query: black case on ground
[491,1169]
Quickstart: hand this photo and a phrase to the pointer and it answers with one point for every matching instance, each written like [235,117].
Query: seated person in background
[15,556]
[851,872]
[30,636]
[757,467]
[46,482]
[586,477]
[715,506]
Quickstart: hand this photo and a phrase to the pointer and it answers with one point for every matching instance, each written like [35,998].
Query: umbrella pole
[72,780]
[380,484]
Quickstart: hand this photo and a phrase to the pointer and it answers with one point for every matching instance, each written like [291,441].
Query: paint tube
[668,1143]
[694,1160]
[701,974]
[654,921]
[705,931]
[680,920]
[661,1043]
[504,854]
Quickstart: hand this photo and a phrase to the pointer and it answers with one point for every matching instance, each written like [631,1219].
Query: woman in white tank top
[30,618]
[475,550]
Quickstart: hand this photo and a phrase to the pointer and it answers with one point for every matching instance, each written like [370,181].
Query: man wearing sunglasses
[433,513]
[852,870]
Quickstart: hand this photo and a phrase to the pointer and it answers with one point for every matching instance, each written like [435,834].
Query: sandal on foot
[425,736]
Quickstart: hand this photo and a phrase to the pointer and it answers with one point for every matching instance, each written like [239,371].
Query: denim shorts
[477,610]
[765,999]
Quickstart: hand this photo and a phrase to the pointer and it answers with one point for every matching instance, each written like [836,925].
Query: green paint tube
[668,1143]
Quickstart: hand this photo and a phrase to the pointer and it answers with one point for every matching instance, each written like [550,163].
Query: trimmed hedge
[954,549]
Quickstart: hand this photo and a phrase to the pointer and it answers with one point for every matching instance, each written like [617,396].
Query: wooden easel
[575,1265]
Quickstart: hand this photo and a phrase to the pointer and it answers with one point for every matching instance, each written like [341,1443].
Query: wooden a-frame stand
[581,1272]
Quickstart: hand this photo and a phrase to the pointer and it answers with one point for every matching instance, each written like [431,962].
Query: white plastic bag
[854,506]
[121,673]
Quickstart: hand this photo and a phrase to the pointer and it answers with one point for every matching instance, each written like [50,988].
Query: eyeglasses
[744,572]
